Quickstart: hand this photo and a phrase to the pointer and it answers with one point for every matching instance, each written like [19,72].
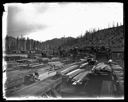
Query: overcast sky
[44,21]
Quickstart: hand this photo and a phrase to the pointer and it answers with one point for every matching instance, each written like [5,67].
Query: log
[69,69]
[82,77]
[70,73]
[98,66]
[84,64]
[76,78]
[76,73]
[102,67]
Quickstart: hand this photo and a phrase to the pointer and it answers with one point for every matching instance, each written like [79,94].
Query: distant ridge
[109,37]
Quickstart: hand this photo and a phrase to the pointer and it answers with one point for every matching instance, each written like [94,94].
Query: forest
[109,37]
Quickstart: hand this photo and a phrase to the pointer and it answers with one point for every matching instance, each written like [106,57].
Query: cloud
[23,19]
[43,21]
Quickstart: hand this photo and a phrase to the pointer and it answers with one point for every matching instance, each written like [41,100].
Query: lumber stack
[69,69]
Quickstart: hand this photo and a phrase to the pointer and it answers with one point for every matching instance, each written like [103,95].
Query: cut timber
[72,72]
[84,64]
[69,69]
[82,77]
[103,66]
[76,73]
[76,78]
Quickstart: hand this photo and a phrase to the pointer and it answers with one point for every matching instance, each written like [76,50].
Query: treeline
[110,37]
[21,44]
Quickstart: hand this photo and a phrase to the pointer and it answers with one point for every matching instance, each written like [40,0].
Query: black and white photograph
[63,50]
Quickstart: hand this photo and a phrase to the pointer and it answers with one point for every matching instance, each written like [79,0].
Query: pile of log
[74,73]
[69,69]
[80,78]
[77,73]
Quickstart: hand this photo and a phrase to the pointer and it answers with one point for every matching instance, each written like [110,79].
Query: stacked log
[78,76]
[70,73]
[101,67]
[74,73]
[82,76]
[69,69]
[84,64]
[119,74]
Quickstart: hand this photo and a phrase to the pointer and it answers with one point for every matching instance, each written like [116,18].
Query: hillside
[55,43]
[110,37]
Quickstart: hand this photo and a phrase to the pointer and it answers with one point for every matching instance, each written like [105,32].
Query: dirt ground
[92,88]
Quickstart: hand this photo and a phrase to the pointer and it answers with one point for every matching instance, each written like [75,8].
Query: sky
[45,21]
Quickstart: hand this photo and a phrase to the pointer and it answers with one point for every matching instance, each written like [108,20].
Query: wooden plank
[84,75]
[72,72]
[69,69]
